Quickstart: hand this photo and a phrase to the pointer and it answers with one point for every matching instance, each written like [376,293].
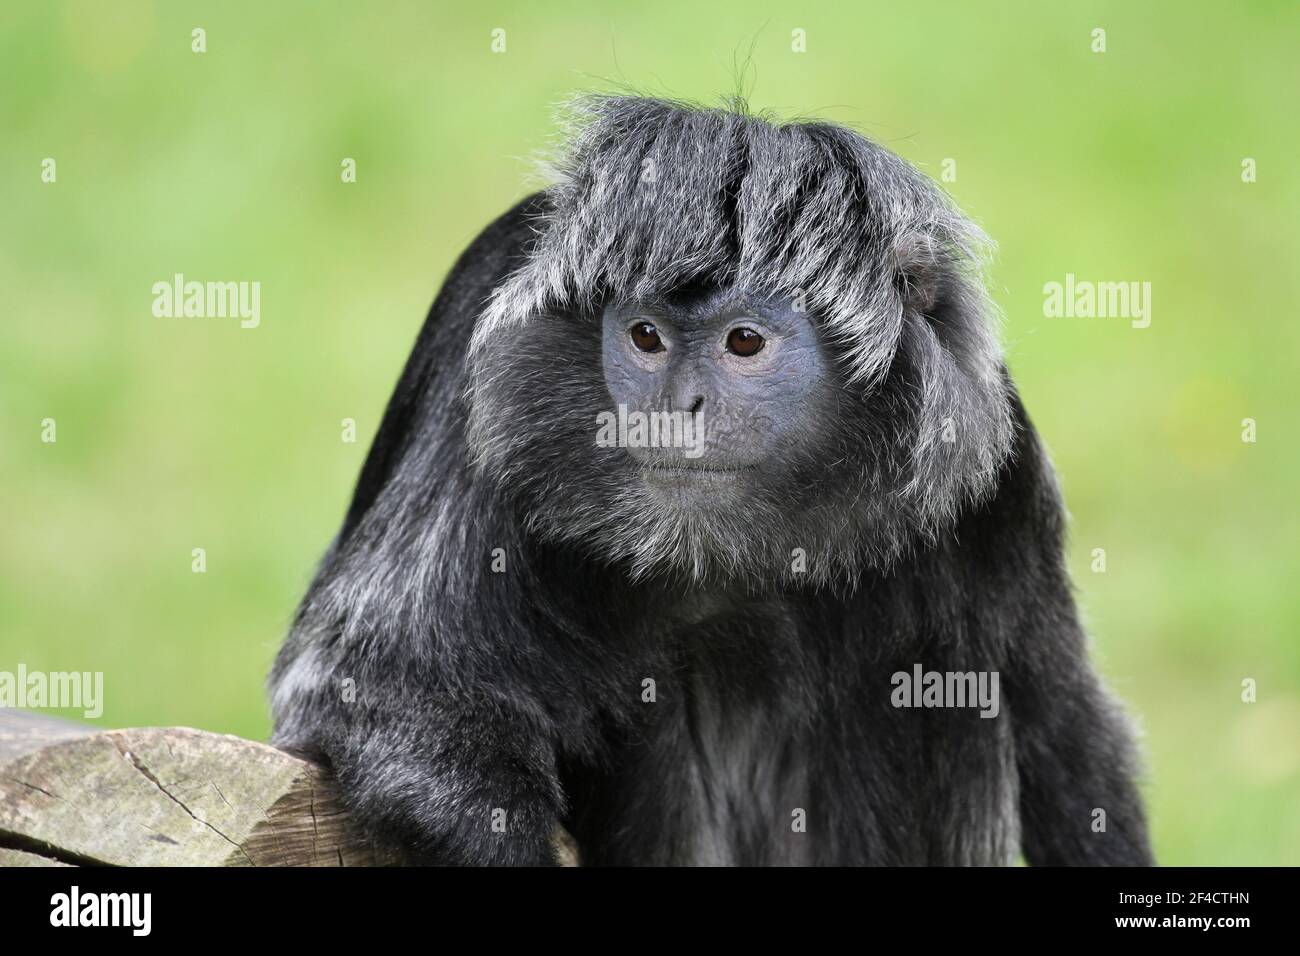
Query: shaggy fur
[927,511]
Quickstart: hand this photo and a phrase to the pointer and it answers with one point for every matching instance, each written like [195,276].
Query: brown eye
[744,342]
[646,337]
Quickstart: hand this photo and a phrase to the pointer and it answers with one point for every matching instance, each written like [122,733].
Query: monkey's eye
[744,342]
[646,337]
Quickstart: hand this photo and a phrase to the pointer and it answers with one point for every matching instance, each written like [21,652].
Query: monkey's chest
[742,790]
[725,745]
[752,751]
[720,778]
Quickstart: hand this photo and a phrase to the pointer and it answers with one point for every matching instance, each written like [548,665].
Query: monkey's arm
[1079,802]
[418,674]
[430,687]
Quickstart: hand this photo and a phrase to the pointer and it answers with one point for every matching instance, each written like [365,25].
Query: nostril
[697,405]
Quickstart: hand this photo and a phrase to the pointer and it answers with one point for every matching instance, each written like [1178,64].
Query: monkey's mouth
[677,472]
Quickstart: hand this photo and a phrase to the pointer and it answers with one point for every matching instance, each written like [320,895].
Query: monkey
[698,652]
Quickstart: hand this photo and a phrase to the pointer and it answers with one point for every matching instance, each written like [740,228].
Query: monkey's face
[711,436]
[718,398]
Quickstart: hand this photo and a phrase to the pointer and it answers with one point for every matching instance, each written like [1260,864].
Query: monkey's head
[739,351]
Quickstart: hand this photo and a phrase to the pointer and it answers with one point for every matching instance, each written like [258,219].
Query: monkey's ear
[939,282]
[920,271]
[949,344]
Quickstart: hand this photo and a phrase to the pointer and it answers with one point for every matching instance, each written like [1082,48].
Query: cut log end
[169,797]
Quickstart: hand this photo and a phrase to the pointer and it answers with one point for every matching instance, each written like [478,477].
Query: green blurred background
[182,433]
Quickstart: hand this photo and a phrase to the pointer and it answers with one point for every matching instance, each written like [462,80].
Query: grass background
[175,434]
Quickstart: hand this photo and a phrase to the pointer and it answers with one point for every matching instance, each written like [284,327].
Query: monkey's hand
[442,782]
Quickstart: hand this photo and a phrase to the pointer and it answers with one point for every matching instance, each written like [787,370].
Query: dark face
[745,375]
[795,476]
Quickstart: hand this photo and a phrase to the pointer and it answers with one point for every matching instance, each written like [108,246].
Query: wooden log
[174,796]
[22,732]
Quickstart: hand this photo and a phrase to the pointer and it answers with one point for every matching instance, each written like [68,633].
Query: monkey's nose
[687,398]
[687,390]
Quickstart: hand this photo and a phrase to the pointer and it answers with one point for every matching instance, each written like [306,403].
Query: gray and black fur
[930,518]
